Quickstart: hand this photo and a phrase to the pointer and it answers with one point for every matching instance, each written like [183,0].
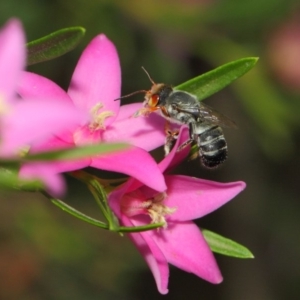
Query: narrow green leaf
[140,228]
[213,81]
[274,131]
[65,154]
[222,245]
[54,44]
[79,215]
[9,180]
[101,198]
[76,152]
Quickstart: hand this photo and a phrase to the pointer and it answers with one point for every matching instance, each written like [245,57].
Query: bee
[183,108]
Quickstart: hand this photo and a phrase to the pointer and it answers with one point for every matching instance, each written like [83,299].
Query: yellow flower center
[157,210]
[99,117]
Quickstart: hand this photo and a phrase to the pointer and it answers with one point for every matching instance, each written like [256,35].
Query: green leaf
[101,198]
[140,228]
[213,81]
[79,215]
[222,245]
[259,95]
[76,152]
[66,154]
[54,44]
[9,179]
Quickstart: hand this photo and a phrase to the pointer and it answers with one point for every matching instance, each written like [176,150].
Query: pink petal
[69,165]
[144,243]
[128,110]
[174,157]
[85,136]
[33,120]
[152,254]
[114,199]
[144,132]
[45,172]
[183,246]
[97,77]
[133,204]
[55,143]
[35,86]
[12,57]
[195,198]
[134,162]
[48,172]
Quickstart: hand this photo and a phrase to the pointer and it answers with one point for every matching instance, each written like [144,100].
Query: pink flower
[29,120]
[94,86]
[180,242]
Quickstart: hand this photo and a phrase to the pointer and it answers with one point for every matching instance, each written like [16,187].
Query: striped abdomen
[212,147]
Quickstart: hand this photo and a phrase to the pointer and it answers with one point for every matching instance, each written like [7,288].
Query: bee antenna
[152,81]
[131,94]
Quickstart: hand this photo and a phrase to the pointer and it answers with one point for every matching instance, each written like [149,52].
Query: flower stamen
[99,118]
[157,210]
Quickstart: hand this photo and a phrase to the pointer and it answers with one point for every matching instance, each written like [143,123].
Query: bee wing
[207,114]
[210,115]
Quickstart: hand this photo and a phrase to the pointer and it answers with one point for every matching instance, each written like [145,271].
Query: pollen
[136,203]
[98,118]
[157,210]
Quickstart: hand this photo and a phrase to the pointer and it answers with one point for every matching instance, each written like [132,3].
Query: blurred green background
[46,254]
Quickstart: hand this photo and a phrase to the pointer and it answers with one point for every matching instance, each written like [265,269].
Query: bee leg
[145,111]
[171,137]
[190,140]
[182,146]
[167,128]
[170,142]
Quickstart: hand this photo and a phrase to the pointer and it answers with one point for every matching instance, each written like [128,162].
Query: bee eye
[153,100]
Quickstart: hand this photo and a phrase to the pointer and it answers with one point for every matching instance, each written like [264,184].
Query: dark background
[46,254]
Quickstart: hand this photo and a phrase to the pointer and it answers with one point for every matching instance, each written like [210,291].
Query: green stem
[101,199]
[74,212]
[100,196]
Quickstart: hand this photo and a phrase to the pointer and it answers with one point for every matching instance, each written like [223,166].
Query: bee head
[153,96]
